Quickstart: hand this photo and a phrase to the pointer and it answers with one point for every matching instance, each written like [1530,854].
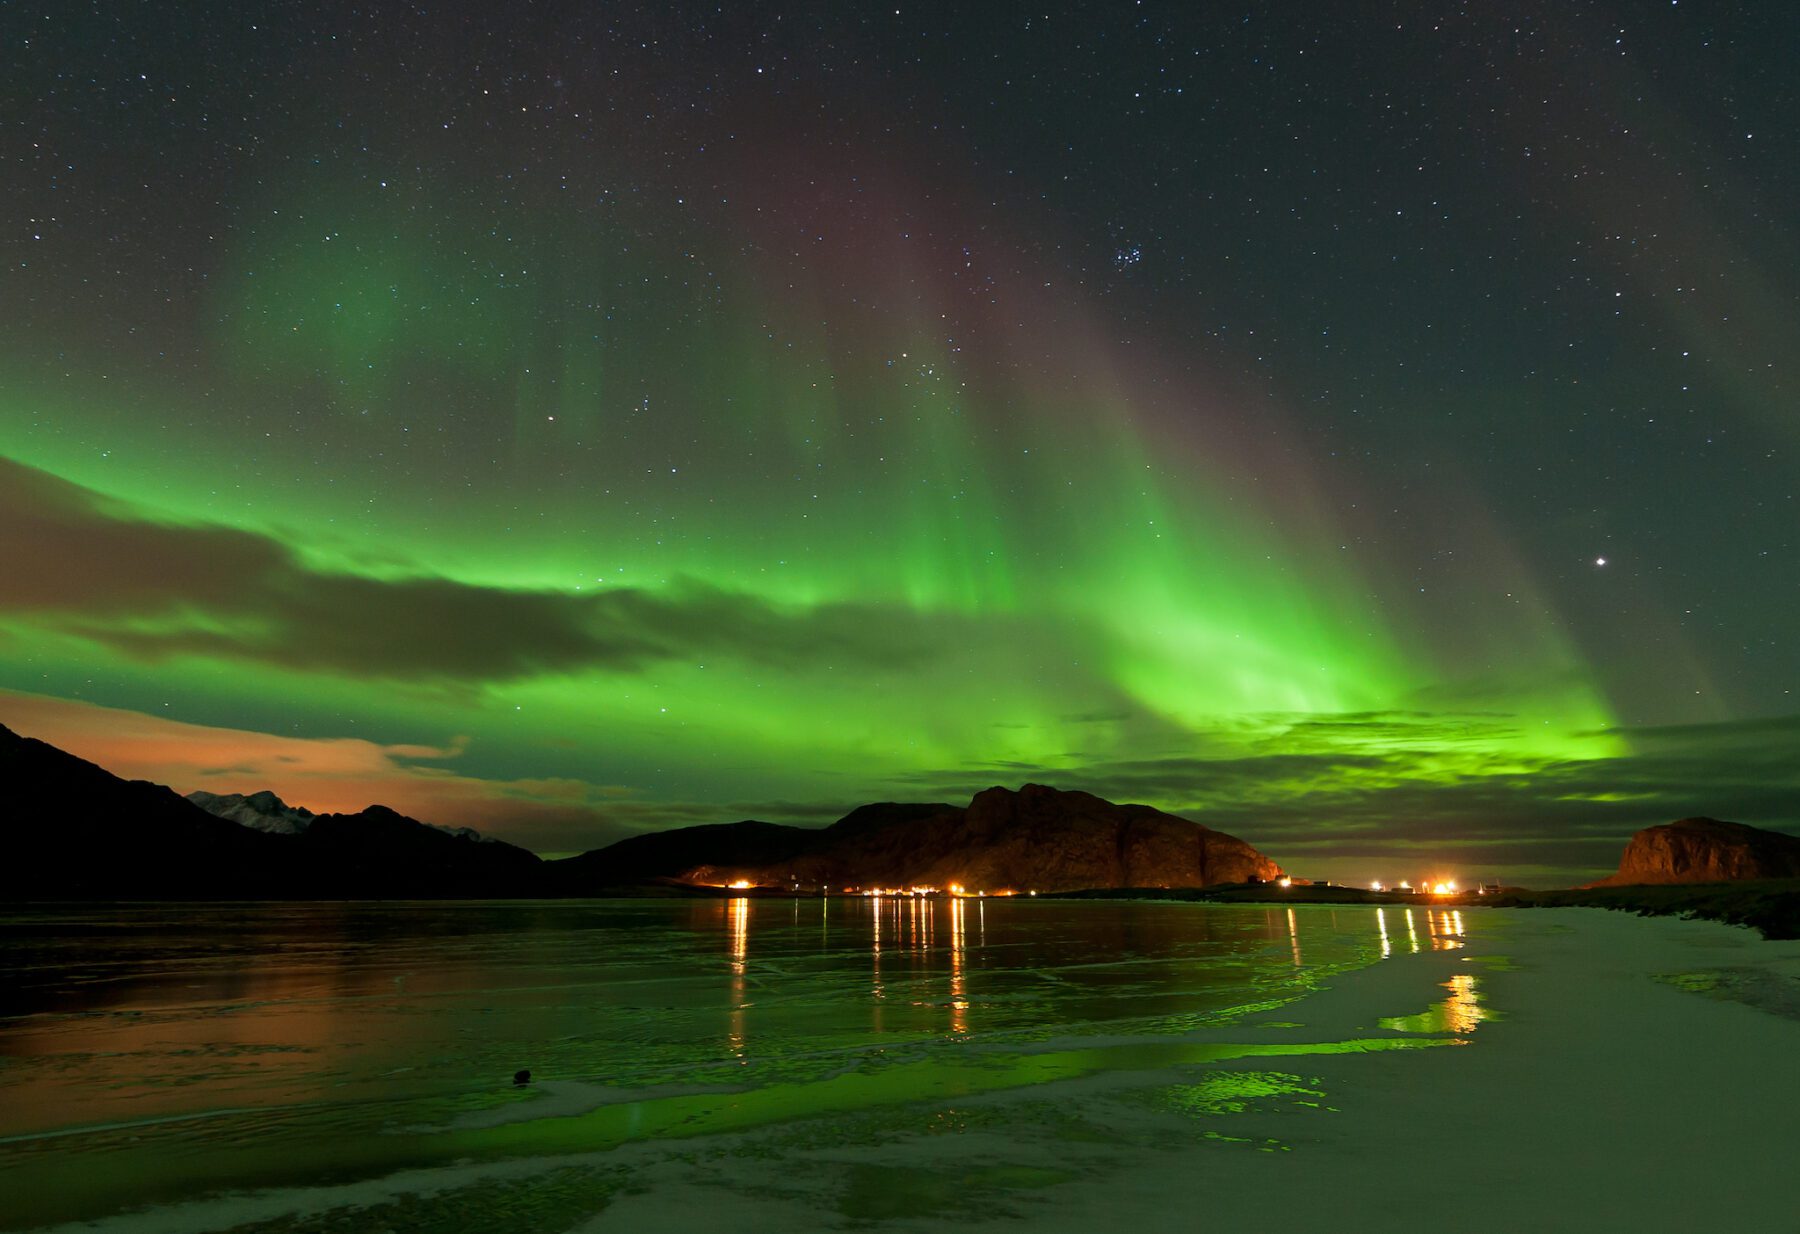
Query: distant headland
[80,832]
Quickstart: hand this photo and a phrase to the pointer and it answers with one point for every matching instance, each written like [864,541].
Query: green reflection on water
[260,1163]
[1233,1092]
[779,1023]
[1693,983]
[932,1080]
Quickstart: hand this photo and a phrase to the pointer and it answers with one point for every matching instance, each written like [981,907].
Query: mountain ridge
[259,811]
[80,831]
[88,832]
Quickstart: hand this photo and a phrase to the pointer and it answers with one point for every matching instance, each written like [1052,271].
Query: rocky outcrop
[1705,850]
[1038,838]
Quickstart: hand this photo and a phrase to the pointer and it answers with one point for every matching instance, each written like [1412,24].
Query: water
[346,1066]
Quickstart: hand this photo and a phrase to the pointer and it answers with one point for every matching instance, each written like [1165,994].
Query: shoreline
[1771,907]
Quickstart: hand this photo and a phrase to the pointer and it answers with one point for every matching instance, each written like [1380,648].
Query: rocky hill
[1705,850]
[683,854]
[1038,838]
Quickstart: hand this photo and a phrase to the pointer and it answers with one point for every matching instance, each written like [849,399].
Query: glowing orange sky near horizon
[325,775]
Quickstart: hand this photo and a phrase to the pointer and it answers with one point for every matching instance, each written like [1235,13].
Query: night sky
[1367,428]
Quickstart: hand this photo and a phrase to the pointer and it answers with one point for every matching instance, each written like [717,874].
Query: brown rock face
[1705,850]
[1038,838]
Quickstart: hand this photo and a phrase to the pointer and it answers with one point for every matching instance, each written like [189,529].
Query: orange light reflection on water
[1446,928]
[250,1035]
[1462,1010]
[738,914]
[959,996]
[876,991]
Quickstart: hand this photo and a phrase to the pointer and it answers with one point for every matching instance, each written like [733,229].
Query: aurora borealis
[1367,433]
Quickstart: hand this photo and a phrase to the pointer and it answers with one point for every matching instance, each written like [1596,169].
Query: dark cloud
[95,569]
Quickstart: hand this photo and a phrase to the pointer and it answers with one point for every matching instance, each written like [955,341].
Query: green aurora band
[1055,554]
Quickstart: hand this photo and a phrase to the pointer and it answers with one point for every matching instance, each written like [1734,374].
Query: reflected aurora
[878,1011]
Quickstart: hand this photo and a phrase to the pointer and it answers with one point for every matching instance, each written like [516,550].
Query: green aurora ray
[1038,573]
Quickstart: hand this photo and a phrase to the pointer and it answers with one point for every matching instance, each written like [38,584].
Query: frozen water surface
[836,1063]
